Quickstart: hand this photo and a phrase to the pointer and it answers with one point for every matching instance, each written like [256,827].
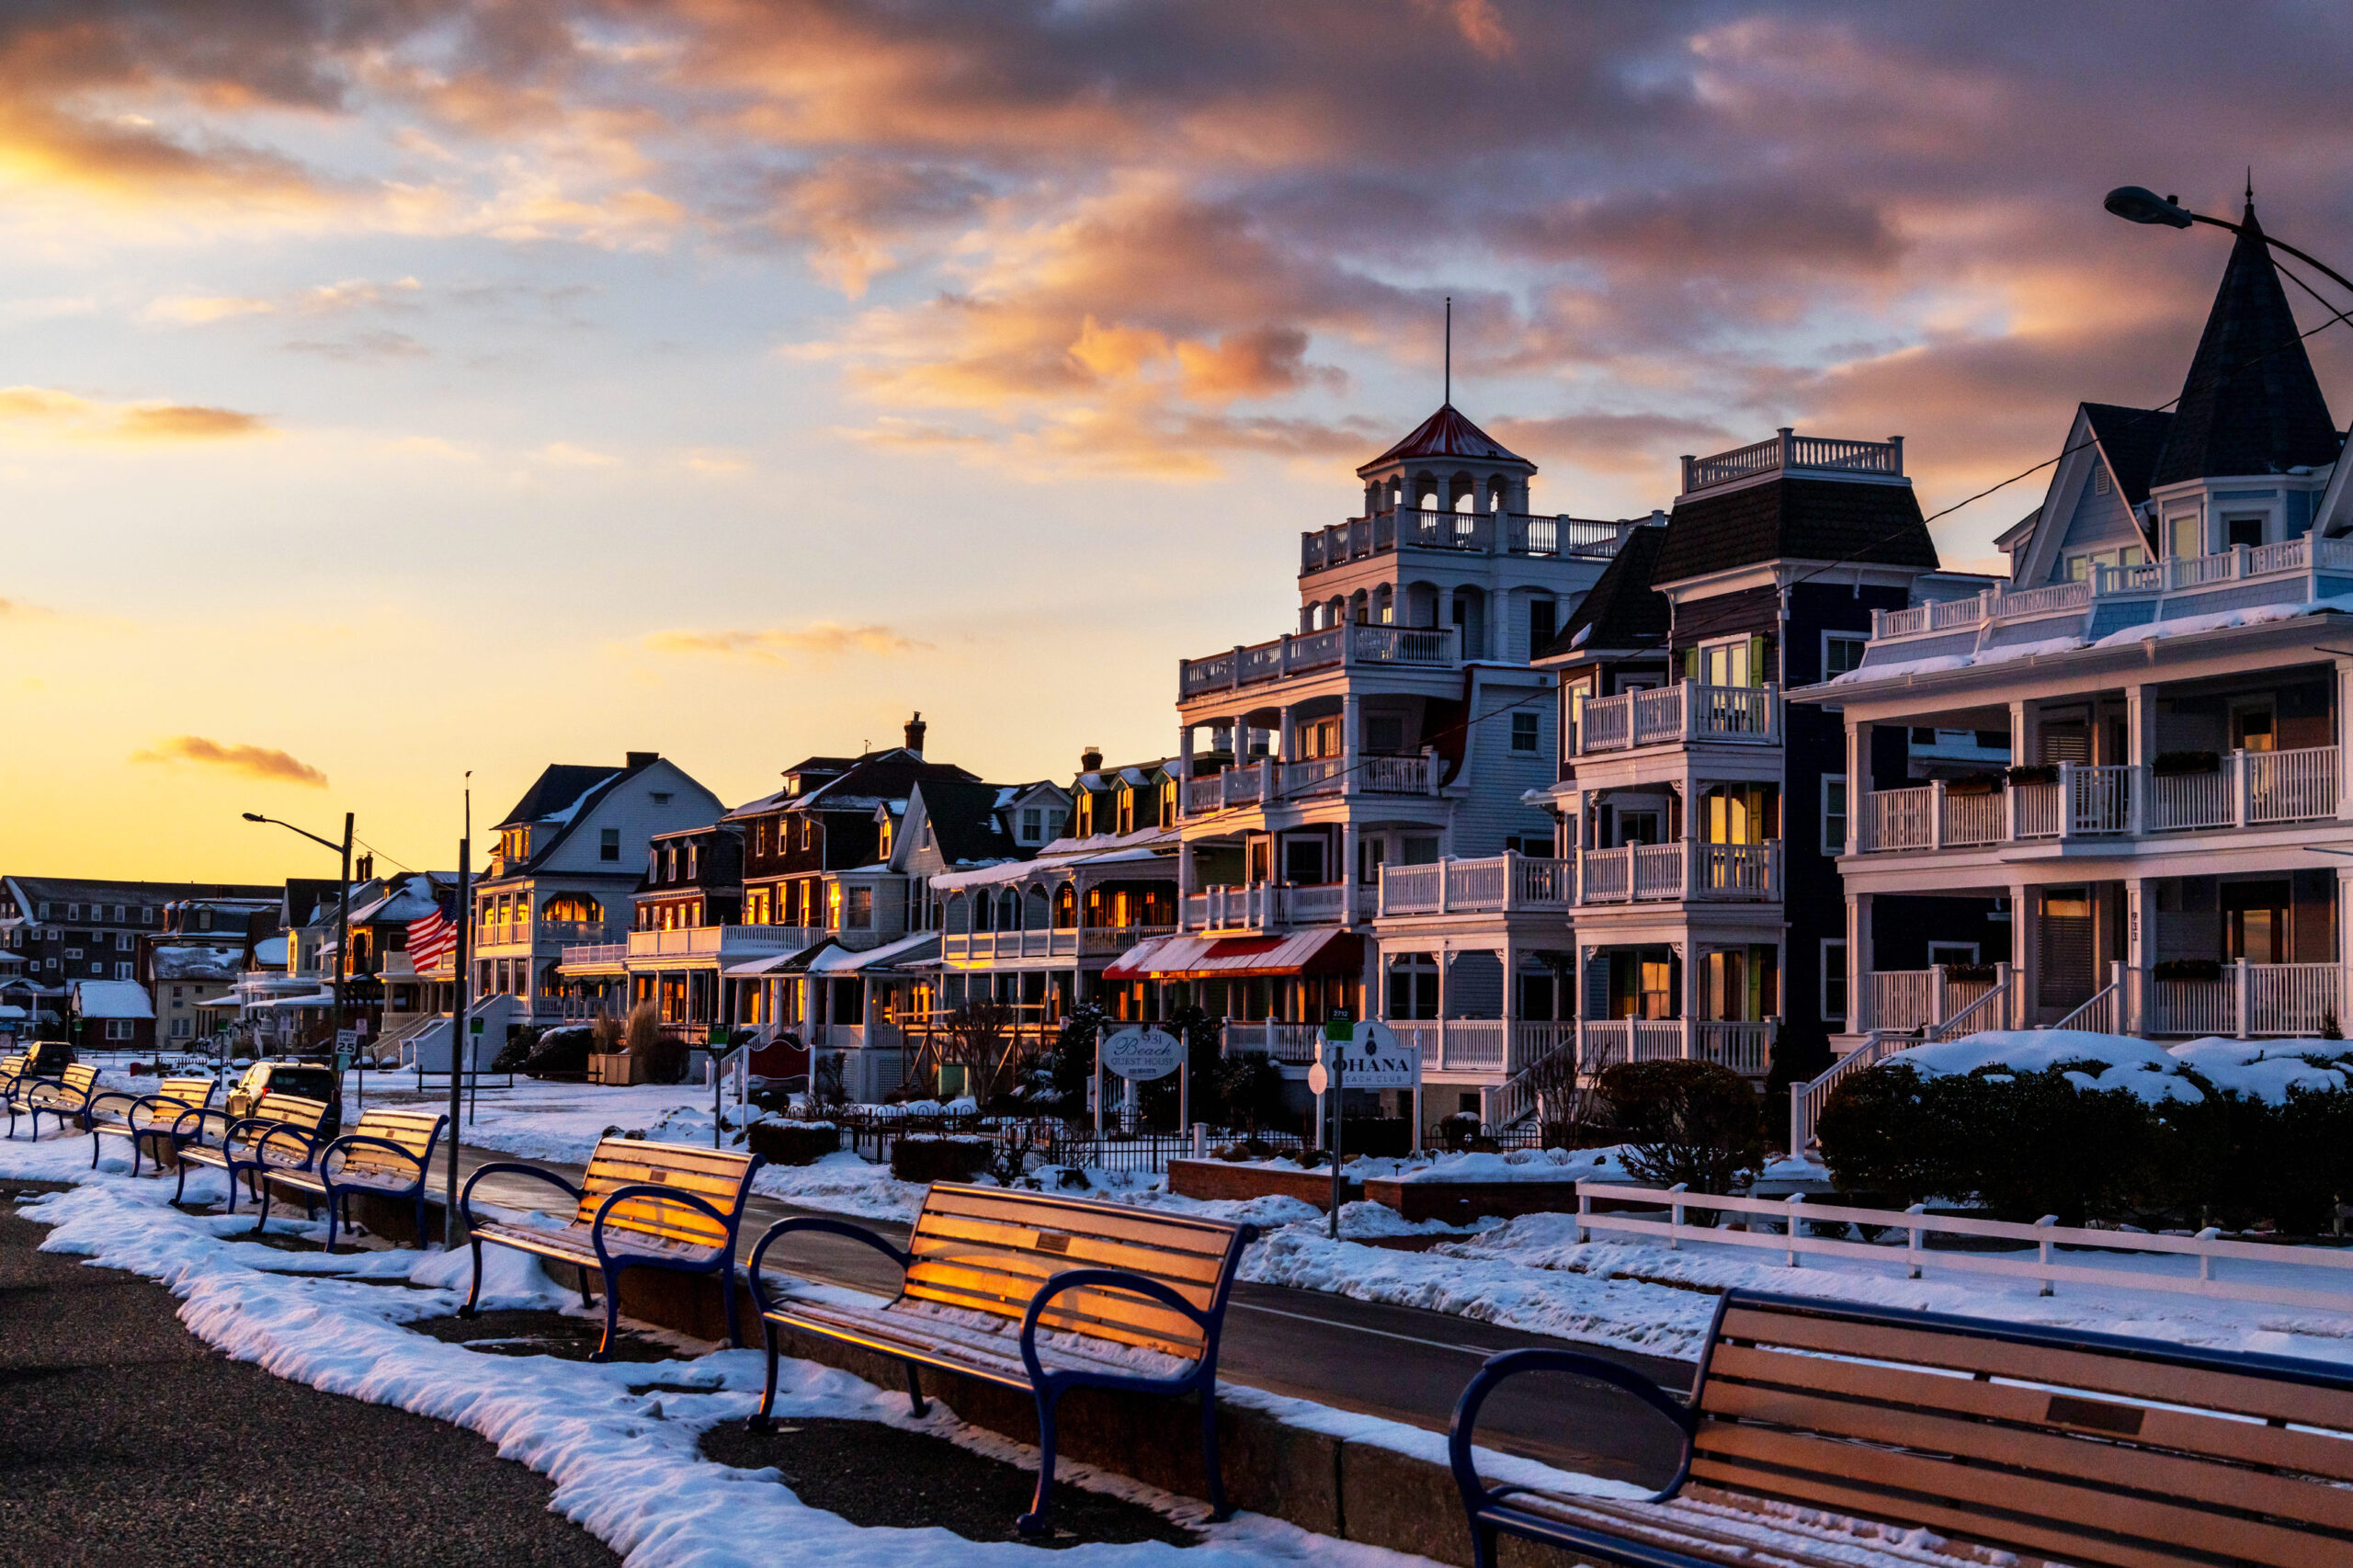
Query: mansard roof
[560,785]
[1794,519]
[1623,608]
[2251,403]
[1447,434]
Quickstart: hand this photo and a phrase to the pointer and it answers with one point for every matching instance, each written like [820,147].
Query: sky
[400,395]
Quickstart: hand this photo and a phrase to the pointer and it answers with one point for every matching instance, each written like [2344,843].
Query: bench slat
[2061,1460]
[2248,1442]
[2091,1370]
[1178,1268]
[1023,1273]
[1984,1504]
[1128,1320]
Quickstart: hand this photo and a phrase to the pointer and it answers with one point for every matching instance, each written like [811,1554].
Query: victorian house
[2168,674]
[1400,726]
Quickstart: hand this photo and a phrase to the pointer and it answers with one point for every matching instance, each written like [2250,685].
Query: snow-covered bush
[2087,1126]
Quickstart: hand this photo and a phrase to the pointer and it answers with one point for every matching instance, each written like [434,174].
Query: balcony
[1678,715]
[2114,597]
[1480,533]
[722,941]
[1744,1047]
[1686,868]
[1060,942]
[1501,1046]
[1790,454]
[1332,647]
[2248,1001]
[520,933]
[1263,906]
[1271,782]
[595,955]
[2250,789]
[1506,884]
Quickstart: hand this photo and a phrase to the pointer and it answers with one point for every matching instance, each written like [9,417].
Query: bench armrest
[188,1126]
[1115,1279]
[504,1167]
[1476,1493]
[828,1227]
[160,1113]
[669,1194]
[306,1143]
[350,1140]
[102,1098]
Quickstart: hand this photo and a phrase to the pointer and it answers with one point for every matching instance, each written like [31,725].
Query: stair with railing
[1515,1099]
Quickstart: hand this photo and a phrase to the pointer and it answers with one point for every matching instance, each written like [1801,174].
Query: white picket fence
[1789,1236]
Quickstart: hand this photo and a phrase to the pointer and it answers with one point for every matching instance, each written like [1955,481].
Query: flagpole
[457,1040]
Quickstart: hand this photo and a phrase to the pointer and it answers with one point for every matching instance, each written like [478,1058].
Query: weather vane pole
[1449,399]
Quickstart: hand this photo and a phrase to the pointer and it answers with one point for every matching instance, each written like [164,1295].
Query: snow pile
[2220,621]
[2264,1070]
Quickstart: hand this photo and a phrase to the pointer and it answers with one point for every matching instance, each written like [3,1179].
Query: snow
[626,1466]
[2220,621]
[2261,1070]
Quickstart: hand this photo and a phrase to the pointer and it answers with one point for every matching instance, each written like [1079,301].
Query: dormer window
[1033,823]
[670,864]
[694,859]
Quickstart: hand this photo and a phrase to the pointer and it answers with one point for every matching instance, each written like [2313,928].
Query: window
[653,864]
[2185,535]
[2247,532]
[43,913]
[804,833]
[121,915]
[1370,852]
[118,1028]
[73,912]
[609,844]
[1055,822]
[72,952]
[122,972]
[1384,734]
[179,1028]
[834,906]
[1523,731]
[1951,952]
[1033,821]
[1734,661]
[1833,814]
[146,914]
[1542,624]
[122,940]
[1304,861]
[670,864]
[1833,981]
[862,909]
[693,860]
[1842,651]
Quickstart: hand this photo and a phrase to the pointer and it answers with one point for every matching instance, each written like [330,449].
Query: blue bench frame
[1047,1387]
[721,1263]
[63,1116]
[336,1195]
[130,1126]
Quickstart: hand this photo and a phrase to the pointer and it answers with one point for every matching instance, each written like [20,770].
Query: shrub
[1377,1137]
[1800,1055]
[664,1056]
[516,1050]
[1249,1091]
[791,1144]
[563,1050]
[1071,1065]
[1687,1121]
[1969,784]
[1201,1035]
[928,1160]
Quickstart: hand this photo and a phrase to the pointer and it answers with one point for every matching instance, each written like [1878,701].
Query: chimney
[643,758]
[1091,760]
[915,736]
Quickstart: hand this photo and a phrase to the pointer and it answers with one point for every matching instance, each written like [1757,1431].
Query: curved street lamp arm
[330,844]
[2304,257]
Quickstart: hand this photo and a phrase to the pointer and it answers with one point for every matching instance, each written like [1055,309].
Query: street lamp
[343,904]
[2139,204]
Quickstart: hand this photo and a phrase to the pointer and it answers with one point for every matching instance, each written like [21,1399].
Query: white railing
[1736,871]
[2247,789]
[1913,1000]
[1745,1047]
[1785,1231]
[1316,776]
[1297,652]
[1473,1045]
[2102,1013]
[1101,939]
[1901,998]
[1264,904]
[1683,712]
[1292,1044]
[1643,872]
[2197,1008]
[596,953]
[1398,775]
[1498,882]
[1807,1099]
[1788,451]
[972,947]
[1989,1009]
[2294,999]
[1403,645]
[1204,794]
[704,941]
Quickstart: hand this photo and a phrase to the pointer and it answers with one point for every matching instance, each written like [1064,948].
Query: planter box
[1217,1179]
[1458,1202]
[619,1070]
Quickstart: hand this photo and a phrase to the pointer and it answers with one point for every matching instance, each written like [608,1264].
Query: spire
[2251,403]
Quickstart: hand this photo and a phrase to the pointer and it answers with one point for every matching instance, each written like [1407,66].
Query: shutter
[1756,659]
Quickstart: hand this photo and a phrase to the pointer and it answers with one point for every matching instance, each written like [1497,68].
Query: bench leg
[735,1328]
[134,1153]
[474,1291]
[585,1300]
[1034,1522]
[95,1140]
[261,1180]
[180,1190]
[612,1315]
[335,1211]
[759,1421]
[914,1392]
[1220,1509]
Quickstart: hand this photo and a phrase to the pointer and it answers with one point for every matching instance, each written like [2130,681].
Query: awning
[1237,958]
[774,963]
[842,960]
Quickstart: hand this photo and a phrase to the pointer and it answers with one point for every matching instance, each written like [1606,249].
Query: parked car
[311,1079]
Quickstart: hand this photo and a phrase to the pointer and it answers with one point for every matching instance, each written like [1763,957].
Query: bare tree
[1569,1103]
[978,1036]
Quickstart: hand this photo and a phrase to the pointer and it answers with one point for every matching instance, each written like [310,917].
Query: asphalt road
[1401,1363]
[124,1440]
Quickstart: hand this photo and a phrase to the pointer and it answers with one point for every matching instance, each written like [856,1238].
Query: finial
[1449,399]
[2250,185]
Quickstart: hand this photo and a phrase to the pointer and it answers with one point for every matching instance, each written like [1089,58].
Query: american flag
[430,941]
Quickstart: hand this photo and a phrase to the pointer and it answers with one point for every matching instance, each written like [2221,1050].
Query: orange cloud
[819,640]
[46,409]
[254,762]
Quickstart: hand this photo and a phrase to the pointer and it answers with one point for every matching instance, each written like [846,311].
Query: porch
[2203,794]
[2238,1000]
[1686,712]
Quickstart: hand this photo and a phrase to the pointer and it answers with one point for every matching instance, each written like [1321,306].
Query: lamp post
[343,903]
[2138,204]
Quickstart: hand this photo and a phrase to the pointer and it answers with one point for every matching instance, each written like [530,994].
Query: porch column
[1859,788]
[2026,960]
[1347,876]
[2344,934]
[1859,960]
[1184,768]
[2344,735]
[2022,734]
[1287,744]
[1691,989]
[2140,725]
[1510,955]
[2140,948]
[1351,740]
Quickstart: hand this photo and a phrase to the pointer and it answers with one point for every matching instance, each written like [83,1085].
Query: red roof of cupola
[1447,434]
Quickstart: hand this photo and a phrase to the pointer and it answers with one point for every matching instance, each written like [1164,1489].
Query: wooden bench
[1125,1298]
[142,1119]
[282,1134]
[639,1205]
[2016,1444]
[388,1154]
[61,1099]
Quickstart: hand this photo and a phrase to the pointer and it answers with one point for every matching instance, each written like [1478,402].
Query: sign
[1319,1078]
[1370,1058]
[1140,1055]
[346,1039]
[474,1025]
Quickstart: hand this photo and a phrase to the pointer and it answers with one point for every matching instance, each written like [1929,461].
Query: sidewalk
[127,1441]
